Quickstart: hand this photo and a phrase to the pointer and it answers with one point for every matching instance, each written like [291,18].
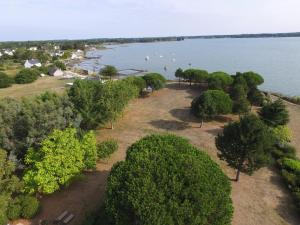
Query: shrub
[30,206]
[5,80]
[26,76]
[14,209]
[106,148]
[285,151]
[60,65]
[155,80]
[165,180]
[139,82]
[292,165]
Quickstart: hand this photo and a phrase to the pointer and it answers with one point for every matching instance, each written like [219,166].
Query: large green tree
[61,157]
[210,104]
[274,114]
[245,145]
[166,180]
[25,124]
[85,96]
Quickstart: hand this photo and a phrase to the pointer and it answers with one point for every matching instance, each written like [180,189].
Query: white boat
[161,56]
[147,58]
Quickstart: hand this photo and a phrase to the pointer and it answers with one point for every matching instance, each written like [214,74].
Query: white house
[55,72]
[56,47]
[9,52]
[32,62]
[76,56]
[0,54]
[33,48]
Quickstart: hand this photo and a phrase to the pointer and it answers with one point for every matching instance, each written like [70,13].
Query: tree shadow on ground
[193,90]
[75,198]
[184,115]
[286,208]
[215,131]
[171,125]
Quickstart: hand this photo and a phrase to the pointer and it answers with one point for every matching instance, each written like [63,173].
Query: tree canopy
[109,71]
[219,80]
[61,157]
[211,103]
[245,145]
[274,113]
[26,76]
[155,80]
[165,180]
[26,123]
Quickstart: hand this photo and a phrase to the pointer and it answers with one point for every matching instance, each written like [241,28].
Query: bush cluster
[5,80]
[106,148]
[26,76]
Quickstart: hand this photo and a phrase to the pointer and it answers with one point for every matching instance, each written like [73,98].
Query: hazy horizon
[23,20]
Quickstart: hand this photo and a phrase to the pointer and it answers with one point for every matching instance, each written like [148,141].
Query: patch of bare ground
[258,200]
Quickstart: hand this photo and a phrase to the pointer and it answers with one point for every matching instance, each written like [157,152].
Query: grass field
[39,86]
[11,68]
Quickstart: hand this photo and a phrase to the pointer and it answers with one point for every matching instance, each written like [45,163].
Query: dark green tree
[274,114]
[253,79]
[26,76]
[245,145]
[166,180]
[179,74]
[210,104]
[255,97]
[241,106]
[109,71]
[5,80]
[219,81]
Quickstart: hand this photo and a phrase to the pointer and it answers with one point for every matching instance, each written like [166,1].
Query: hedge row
[289,166]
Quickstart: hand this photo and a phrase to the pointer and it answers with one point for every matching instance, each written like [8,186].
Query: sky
[80,19]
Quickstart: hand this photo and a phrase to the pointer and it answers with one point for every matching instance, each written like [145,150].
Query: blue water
[276,59]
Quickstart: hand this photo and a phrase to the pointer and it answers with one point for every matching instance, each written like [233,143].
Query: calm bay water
[276,59]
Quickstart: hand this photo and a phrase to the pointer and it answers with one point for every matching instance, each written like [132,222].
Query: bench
[68,219]
[61,216]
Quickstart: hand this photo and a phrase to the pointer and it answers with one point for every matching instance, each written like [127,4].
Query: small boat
[173,59]
[165,68]
[161,56]
[147,58]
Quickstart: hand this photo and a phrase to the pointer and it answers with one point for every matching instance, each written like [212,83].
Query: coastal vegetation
[53,132]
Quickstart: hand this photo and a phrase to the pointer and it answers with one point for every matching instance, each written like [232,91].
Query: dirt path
[258,200]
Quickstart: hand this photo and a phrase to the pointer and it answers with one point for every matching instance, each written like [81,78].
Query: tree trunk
[179,81]
[201,123]
[190,82]
[237,175]
[111,125]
